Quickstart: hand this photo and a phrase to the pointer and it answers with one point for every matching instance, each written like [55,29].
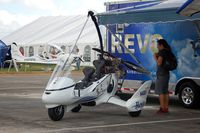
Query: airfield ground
[22,111]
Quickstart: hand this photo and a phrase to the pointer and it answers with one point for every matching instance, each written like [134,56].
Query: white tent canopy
[55,29]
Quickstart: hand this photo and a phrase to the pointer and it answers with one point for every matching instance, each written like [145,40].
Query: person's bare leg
[162,102]
[166,102]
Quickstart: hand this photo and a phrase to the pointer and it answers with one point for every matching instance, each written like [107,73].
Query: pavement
[22,111]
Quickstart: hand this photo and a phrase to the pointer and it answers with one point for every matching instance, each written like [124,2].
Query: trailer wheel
[56,113]
[135,114]
[76,109]
[189,95]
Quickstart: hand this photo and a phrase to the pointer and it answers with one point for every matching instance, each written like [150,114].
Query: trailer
[138,25]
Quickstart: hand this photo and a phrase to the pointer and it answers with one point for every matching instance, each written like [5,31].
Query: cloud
[5,17]
[5,1]
[7,29]
[40,4]
[10,22]
[8,18]
[187,62]
[79,7]
[96,5]
[7,23]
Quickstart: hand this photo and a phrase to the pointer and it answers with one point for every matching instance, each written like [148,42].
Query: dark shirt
[161,71]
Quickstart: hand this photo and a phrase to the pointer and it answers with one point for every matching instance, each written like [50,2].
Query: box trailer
[138,25]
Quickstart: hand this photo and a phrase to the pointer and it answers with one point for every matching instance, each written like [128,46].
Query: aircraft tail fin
[16,54]
[138,100]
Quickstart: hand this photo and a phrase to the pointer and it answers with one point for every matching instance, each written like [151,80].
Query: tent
[53,29]
[3,52]
[58,30]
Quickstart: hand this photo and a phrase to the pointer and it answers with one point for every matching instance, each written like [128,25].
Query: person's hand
[155,55]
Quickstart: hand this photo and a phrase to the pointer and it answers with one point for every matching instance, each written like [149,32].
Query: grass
[32,68]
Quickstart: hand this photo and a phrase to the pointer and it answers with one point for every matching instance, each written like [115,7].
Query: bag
[170,62]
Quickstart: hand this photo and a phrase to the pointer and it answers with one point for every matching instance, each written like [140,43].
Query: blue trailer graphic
[140,24]
[141,40]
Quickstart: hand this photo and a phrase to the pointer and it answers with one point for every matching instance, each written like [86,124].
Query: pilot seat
[91,74]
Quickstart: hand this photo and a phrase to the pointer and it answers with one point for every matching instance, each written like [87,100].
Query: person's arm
[155,57]
[158,59]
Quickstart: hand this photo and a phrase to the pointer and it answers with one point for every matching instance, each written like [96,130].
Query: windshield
[62,69]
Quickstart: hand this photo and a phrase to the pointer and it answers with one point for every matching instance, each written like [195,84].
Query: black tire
[189,95]
[56,113]
[76,109]
[135,114]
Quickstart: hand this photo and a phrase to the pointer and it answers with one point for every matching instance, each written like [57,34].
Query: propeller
[135,67]
[103,52]
[128,64]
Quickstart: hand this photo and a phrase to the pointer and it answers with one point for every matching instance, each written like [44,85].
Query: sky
[16,13]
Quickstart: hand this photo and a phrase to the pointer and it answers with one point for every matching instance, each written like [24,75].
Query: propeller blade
[128,64]
[103,52]
[135,67]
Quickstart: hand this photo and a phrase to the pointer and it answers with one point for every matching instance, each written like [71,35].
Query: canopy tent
[163,11]
[54,29]
[62,31]
[189,8]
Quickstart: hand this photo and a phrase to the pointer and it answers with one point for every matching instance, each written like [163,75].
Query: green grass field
[31,68]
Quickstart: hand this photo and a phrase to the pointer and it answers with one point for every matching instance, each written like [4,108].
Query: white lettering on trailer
[135,39]
[129,42]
